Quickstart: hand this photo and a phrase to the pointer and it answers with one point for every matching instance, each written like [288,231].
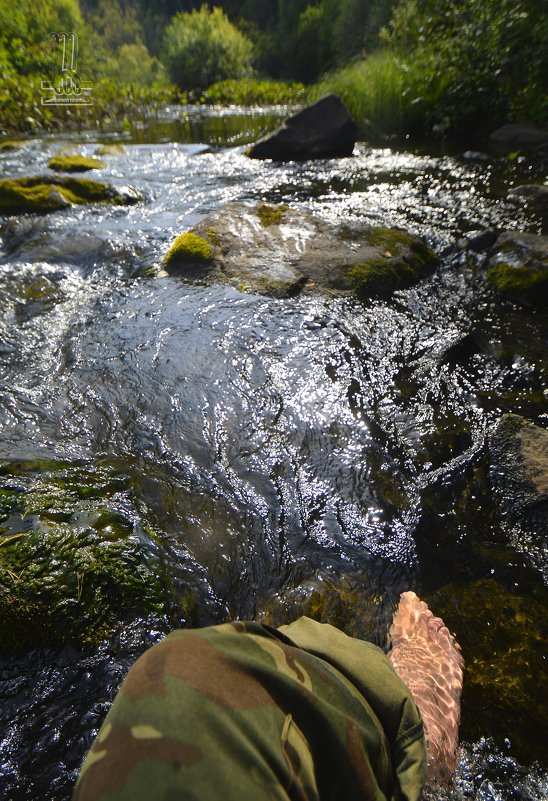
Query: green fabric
[245,712]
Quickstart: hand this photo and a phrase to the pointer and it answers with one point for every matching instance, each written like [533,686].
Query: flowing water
[286,452]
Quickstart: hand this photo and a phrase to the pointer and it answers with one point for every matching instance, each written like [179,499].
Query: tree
[202,47]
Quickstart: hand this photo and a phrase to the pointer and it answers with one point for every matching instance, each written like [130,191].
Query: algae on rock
[74,560]
[74,163]
[518,268]
[278,251]
[42,194]
[503,639]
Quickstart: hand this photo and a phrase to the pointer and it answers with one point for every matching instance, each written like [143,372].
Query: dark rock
[519,470]
[534,194]
[278,251]
[478,241]
[320,131]
[518,136]
[518,268]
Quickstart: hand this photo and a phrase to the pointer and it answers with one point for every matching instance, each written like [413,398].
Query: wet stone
[519,470]
[43,193]
[518,268]
[279,251]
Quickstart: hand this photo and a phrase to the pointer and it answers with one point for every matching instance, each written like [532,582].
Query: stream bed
[271,457]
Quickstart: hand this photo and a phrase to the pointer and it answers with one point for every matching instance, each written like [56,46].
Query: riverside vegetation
[403,67]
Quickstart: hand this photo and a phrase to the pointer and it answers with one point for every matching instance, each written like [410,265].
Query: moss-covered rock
[110,150]
[9,144]
[189,248]
[518,453]
[503,639]
[74,561]
[518,268]
[44,194]
[271,215]
[74,163]
[279,251]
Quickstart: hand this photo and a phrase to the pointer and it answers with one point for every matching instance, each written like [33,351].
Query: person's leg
[242,711]
[425,655]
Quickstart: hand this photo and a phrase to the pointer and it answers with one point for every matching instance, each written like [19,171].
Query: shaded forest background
[402,66]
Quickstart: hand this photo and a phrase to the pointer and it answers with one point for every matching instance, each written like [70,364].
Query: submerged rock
[503,640]
[322,130]
[74,563]
[279,251]
[518,267]
[519,469]
[74,163]
[42,193]
[518,136]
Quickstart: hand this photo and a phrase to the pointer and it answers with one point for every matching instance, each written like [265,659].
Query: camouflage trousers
[245,712]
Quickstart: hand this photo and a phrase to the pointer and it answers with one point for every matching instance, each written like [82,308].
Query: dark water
[279,447]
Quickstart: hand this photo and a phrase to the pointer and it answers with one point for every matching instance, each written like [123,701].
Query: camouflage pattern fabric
[245,712]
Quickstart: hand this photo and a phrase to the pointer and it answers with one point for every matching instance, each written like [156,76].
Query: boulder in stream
[518,267]
[322,130]
[279,251]
[518,136]
[42,193]
[74,163]
[535,195]
[519,469]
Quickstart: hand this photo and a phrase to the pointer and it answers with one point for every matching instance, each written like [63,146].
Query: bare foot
[425,655]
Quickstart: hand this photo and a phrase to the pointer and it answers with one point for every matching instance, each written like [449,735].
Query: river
[285,453]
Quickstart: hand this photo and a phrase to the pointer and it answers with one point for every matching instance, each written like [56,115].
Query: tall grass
[386,95]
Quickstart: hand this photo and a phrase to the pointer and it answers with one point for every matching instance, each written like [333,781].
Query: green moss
[74,163]
[9,144]
[189,248]
[391,240]
[271,215]
[110,150]
[403,259]
[276,288]
[503,639]
[521,283]
[71,565]
[43,194]
[378,276]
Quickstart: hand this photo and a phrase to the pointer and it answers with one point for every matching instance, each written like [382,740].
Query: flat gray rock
[279,251]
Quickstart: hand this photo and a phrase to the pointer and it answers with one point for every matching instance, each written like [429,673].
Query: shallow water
[278,447]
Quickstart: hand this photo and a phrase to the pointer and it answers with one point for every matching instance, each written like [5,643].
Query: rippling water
[276,445]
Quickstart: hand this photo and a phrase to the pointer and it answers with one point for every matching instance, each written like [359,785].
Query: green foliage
[252,92]
[384,93]
[493,55]
[203,47]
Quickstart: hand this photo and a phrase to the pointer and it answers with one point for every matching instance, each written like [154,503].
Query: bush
[251,92]
[202,47]
[493,55]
